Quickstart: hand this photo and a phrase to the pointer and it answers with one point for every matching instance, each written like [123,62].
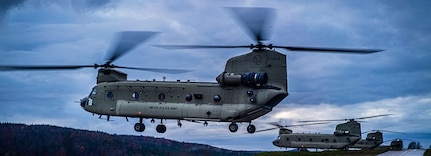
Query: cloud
[321,86]
[7,5]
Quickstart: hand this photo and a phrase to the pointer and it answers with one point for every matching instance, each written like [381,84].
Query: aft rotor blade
[44,67]
[157,70]
[173,47]
[126,41]
[322,120]
[332,50]
[256,21]
[348,119]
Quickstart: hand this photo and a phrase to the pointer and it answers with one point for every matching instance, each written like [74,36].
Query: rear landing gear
[139,127]
[233,127]
[251,129]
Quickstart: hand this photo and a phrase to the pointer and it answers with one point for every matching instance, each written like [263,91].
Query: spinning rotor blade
[126,41]
[45,67]
[383,131]
[257,21]
[280,126]
[268,129]
[347,119]
[374,116]
[173,47]
[332,50]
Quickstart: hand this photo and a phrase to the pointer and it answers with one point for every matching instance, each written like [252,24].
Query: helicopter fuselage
[370,142]
[249,87]
[182,100]
[322,141]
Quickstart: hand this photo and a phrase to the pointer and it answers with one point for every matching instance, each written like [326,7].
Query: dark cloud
[76,5]
[7,5]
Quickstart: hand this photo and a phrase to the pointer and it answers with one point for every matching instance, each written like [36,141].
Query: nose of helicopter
[276,142]
[83,102]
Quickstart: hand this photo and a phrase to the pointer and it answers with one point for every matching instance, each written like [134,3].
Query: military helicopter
[396,145]
[251,85]
[345,135]
[374,139]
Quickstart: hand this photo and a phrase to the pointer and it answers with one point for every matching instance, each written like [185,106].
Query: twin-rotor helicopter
[346,135]
[250,86]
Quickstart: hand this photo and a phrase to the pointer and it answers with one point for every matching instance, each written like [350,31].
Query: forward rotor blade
[126,41]
[173,47]
[333,50]
[318,123]
[157,70]
[44,67]
[268,129]
[257,21]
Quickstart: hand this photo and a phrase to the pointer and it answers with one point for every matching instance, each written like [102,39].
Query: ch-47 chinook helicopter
[251,85]
[344,136]
[374,139]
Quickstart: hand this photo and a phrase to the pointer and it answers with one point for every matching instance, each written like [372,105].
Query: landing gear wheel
[251,129]
[233,127]
[161,128]
[139,127]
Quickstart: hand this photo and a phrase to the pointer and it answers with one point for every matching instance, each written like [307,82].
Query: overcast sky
[321,85]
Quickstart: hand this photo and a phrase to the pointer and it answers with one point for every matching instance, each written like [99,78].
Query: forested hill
[20,139]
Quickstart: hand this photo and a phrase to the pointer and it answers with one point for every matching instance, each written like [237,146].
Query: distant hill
[21,139]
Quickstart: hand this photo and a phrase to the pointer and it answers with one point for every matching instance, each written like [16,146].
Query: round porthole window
[217,98]
[162,96]
[189,97]
[110,95]
[135,95]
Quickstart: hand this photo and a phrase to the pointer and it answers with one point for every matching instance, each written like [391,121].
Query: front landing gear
[161,128]
[139,127]
[233,127]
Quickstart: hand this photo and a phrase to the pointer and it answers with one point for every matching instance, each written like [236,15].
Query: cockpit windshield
[93,92]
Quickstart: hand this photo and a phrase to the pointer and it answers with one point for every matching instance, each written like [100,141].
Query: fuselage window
[93,92]
[161,96]
[90,102]
[109,95]
[217,98]
[189,97]
[135,95]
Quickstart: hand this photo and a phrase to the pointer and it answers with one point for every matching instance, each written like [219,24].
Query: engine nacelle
[249,78]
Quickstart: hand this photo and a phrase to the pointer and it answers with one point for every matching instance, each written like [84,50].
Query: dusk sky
[321,85]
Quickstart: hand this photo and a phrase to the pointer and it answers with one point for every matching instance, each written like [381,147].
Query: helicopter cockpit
[89,99]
